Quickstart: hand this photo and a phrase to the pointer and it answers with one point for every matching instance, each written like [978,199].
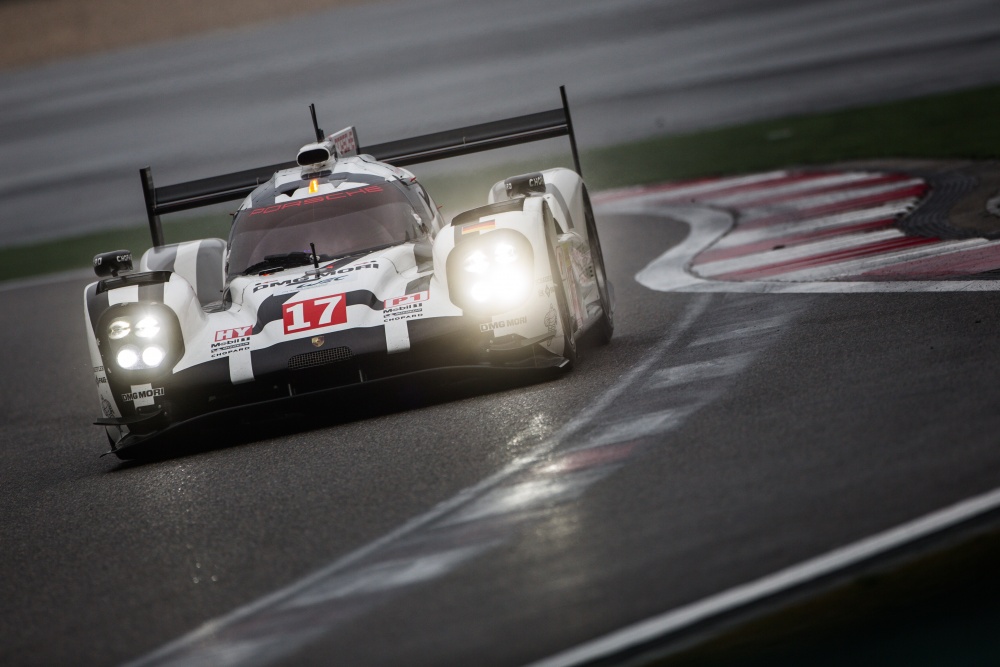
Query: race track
[721,436]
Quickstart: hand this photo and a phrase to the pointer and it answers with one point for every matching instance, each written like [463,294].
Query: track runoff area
[858,230]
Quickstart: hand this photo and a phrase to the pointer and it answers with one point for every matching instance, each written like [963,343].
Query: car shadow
[326,408]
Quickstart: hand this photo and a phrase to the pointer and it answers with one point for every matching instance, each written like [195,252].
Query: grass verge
[954,125]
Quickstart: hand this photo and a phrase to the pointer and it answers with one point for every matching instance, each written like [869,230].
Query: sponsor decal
[550,320]
[101,379]
[503,324]
[324,311]
[319,199]
[230,334]
[142,395]
[98,369]
[106,408]
[228,341]
[479,227]
[325,276]
[345,142]
[405,307]
[406,298]
[317,341]
[536,181]
[120,259]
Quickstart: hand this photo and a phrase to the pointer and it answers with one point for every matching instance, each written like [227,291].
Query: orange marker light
[314,186]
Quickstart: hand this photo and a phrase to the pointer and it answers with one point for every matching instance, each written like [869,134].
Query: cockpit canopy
[339,223]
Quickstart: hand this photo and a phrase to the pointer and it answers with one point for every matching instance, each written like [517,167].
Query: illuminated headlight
[153,356]
[477,263]
[500,255]
[492,273]
[505,253]
[144,338]
[119,329]
[147,327]
[128,357]
[506,287]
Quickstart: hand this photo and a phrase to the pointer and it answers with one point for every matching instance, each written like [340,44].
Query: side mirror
[112,263]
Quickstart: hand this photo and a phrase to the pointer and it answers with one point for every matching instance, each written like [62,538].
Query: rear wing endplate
[425,148]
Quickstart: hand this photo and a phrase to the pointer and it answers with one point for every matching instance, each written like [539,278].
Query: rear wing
[437,146]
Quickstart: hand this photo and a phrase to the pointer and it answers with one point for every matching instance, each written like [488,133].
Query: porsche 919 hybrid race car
[338,271]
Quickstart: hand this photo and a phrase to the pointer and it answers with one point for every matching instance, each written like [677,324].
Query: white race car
[339,270]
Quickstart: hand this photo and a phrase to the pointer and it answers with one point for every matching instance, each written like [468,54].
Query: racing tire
[605,326]
[565,321]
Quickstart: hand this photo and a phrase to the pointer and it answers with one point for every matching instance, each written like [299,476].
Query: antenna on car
[319,132]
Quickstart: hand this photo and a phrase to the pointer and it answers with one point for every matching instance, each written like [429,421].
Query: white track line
[803,188]
[801,251]
[659,627]
[808,201]
[862,265]
[694,190]
[670,271]
[801,228]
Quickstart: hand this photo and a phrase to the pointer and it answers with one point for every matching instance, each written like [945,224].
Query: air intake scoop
[338,144]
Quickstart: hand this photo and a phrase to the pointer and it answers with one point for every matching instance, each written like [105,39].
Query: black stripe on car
[97,303]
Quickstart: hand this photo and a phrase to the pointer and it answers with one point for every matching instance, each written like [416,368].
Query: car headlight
[476,263]
[141,338]
[119,329]
[491,273]
[153,356]
[147,327]
[128,357]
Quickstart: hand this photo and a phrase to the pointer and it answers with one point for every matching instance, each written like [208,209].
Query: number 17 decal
[314,313]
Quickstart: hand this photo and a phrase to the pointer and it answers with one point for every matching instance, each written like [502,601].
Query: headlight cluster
[141,339]
[491,273]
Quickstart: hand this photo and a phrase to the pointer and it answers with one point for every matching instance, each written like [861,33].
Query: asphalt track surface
[73,134]
[728,435]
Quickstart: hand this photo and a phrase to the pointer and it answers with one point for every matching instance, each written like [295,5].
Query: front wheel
[606,325]
[565,320]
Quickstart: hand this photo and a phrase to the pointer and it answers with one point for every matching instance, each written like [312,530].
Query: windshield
[340,223]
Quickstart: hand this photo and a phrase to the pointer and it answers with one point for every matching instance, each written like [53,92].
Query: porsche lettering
[333,196]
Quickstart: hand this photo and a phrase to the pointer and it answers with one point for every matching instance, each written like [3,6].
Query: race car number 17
[314,313]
